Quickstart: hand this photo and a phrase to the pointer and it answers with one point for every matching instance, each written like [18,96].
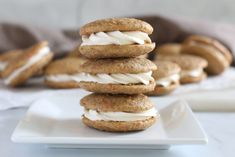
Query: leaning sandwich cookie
[167,77]
[32,60]
[116,37]
[118,113]
[118,76]
[217,55]
[64,73]
[192,67]
[6,57]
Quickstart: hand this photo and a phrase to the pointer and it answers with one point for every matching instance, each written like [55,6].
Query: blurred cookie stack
[117,75]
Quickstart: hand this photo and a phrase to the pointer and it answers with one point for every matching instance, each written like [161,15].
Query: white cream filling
[166,81]
[116,38]
[191,73]
[3,65]
[41,53]
[120,116]
[119,78]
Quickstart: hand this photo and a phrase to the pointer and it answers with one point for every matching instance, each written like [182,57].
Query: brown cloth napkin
[166,29]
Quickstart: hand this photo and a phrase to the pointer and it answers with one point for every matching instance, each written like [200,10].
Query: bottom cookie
[160,90]
[69,84]
[190,79]
[118,126]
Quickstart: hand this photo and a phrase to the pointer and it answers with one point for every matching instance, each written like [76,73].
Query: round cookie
[168,49]
[218,56]
[115,38]
[62,73]
[118,76]
[27,64]
[166,76]
[118,113]
[6,57]
[191,67]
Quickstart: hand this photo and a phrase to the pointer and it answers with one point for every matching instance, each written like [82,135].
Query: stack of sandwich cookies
[116,37]
[119,113]
[6,57]
[217,55]
[191,67]
[118,74]
[64,73]
[27,64]
[167,77]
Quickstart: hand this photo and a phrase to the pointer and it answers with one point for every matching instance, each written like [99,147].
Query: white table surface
[220,128]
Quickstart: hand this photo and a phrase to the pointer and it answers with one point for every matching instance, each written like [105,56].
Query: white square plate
[56,122]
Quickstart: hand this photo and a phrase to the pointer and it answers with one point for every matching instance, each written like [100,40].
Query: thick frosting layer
[3,65]
[120,116]
[143,78]
[166,81]
[116,38]
[191,73]
[41,53]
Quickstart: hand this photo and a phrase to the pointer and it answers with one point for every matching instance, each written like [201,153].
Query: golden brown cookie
[118,113]
[168,49]
[218,56]
[63,73]
[27,64]
[167,77]
[6,57]
[115,38]
[125,76]
[191,66]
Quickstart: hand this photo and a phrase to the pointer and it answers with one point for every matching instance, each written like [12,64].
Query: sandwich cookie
[118,76]
[191,67]
[116,37]
[118,113]
[64,73]
[167,77]
[217,55]
[168,49]
[27,64]
[6,57]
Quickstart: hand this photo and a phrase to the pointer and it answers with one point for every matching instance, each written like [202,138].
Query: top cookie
[116,24]
[126,65]
[170,48]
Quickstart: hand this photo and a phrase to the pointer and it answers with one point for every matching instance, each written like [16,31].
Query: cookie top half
[116,103]
[123,65]
[116,24]
[70,65]
[186,62]
[165,69]
[9,55]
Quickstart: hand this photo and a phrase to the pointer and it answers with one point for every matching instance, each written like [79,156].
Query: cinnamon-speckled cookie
[115,38]
[218,56]
[124,76]
[64,73]
[168,49]
[118,113]
[167,77]
[27,64]
[6,57]
[191,67]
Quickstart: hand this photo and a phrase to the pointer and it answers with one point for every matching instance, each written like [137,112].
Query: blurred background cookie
[27,64]
[191,67]
[170,48]
[217,55]
[64,73]
[167,77]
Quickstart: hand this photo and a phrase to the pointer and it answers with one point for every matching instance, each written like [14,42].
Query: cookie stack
[117,75]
